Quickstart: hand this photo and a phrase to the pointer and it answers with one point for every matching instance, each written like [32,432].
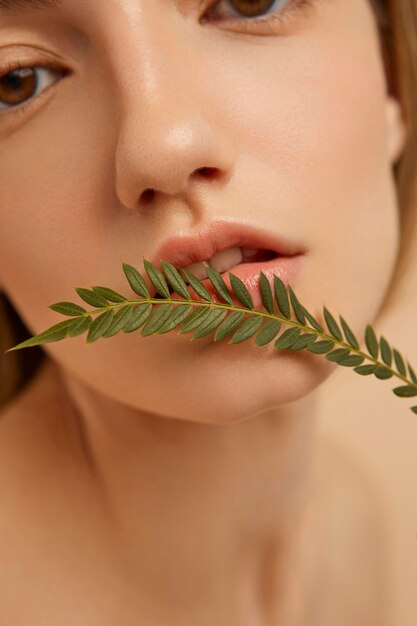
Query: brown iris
[251,8]
[18,85]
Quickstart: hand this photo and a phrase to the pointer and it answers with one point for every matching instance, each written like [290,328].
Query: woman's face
[291,114]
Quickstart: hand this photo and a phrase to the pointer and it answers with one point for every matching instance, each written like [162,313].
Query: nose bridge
[164,134]
[159,99]
[148,57]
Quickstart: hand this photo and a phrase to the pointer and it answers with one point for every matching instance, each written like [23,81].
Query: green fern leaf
[337,355]
[248,328]
[312,320]
[365,370]
[108,294]
[332,325]
[240,291]
[196,318]
[139,316]
[68,308]
[266,293]
[159,316]
[120,320]
[288,337]
[371,341]
[297,308]
[136,281]
[213,320]
[405,391]
[210,316]
[382,373]
[157,279]
[268,332]
[55,333]
[100,325]
[198,286]
[219,285]
[412,373]
[180,313]
[320,347]
[385,351]
[175,280]
[82,326]
[399,362]
[90,297]
[305,340]
[353,359]
[350,337]
[229,325]
[281,297]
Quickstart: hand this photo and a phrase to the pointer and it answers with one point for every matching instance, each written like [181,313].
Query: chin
[226,397]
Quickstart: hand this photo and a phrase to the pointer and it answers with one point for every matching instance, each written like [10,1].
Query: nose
[172,137]
[167,151]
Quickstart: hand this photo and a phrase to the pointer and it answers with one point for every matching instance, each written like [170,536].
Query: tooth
[221,262]
[225,259]
[198,270]
[248,252]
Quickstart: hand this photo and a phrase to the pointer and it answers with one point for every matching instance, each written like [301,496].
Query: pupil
[17,86]
[251,8]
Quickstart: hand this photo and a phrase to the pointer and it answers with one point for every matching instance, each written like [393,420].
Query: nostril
[148,194]
[207,172]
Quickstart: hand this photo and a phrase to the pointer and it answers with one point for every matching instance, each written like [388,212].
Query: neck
[216,517]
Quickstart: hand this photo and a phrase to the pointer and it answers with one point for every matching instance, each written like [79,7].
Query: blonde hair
[397,26]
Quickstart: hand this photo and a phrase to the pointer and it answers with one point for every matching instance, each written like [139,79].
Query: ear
[396,128]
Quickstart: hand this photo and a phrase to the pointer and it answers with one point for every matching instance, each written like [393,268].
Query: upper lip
[184,250]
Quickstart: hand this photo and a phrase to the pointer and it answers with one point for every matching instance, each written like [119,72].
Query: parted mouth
[225,260]
[222,245]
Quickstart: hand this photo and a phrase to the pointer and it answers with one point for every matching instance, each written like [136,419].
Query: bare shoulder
[353,539]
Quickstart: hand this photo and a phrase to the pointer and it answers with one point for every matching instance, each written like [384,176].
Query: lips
[287,268]
[182,251]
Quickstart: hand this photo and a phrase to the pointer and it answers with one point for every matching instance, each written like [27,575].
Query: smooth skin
[157,480]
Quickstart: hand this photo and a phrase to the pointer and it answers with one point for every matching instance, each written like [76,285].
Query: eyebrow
[15,6]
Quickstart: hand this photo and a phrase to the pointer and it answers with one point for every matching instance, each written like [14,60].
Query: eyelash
[16,65]
[275,20]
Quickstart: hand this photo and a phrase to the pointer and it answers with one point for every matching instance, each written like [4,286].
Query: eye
[19,83]
[252,8]
[250,15]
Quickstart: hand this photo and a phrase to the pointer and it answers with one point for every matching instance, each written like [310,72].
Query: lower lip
[287,268]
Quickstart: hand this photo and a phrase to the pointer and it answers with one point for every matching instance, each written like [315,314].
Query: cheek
[316,115]
[51,217]
[318,109]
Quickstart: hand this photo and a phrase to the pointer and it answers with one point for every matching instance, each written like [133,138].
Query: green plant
[207,315]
